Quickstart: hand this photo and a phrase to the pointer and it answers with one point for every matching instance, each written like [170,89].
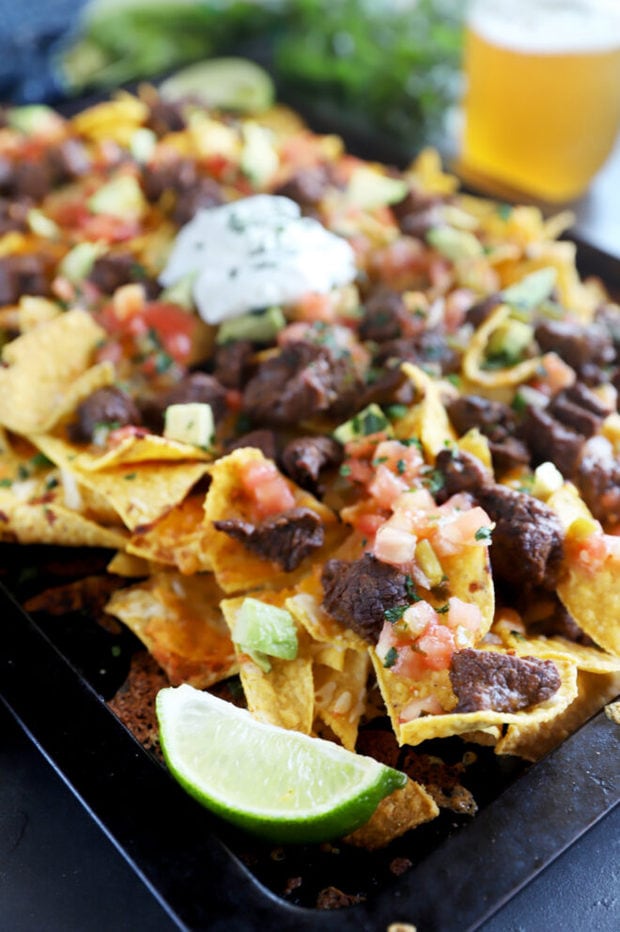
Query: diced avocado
[532,290]
[42,225]
[182,292]
[263,630]
[32,118]
[259,327]
[259,159]
[190,423]
[371,420]
[368,189]
[78,262]
[142,144]
[507,343]
[454,244]
[121,197]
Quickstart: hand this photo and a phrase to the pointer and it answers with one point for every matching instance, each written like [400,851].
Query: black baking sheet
[190,860]
[55,675]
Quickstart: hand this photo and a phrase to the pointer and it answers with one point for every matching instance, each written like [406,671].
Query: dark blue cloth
[30,33]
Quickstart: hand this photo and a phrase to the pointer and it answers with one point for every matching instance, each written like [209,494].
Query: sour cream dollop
[255,253]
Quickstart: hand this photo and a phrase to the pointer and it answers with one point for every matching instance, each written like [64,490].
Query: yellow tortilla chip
[340,696]
[283,696]
[305,607]
[139,494]
[474,357]
[428,419]
[532,740]
[49,370]
[469,578]
[178,538]
[234,565]
[399,691]
[589,659]
[125,564]
[136,450]
[402,810]
[593,599]
[48,521]
[178,620]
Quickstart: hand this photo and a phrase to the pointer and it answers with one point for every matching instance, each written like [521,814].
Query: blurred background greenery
[391,67]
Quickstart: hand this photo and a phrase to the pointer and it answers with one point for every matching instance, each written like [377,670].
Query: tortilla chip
[399,812]
[399,691]
[178,620]
[474,357]
[125,564]
[428,419]
[535,739]
[593,599]
[470,579]
[589,659]
[136,450]
[139,495]
[340,696]
[48,521]
[234,565]
[49,370]
[177,539]
[305,606]
[285,695]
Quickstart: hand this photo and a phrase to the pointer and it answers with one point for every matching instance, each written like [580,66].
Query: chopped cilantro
[39,460]
[443,609]
[401,467]
[411,592]
[22,471]
[345,470]
[130,475]
[6,483]
[483,533]
[394,412]
[395,613]
[433,480]
[504,211]
[390,658]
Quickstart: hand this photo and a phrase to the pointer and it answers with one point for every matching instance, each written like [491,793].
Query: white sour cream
[254,253]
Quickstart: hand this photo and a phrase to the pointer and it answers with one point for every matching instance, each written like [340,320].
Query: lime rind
[229,83]
[278,784]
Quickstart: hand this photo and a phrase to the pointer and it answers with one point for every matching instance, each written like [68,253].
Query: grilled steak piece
[106,406]
[304,458]
[285,539]
[496,421]
[358,594]
[550,440]
[262,439]
[598,478]
[585,348]
[303,380]
[501,682]
[528,538]
[232,363]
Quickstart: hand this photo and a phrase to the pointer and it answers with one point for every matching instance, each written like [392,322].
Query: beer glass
[542,99]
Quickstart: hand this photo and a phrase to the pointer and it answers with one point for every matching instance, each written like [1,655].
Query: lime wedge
[276,783]
[227,83]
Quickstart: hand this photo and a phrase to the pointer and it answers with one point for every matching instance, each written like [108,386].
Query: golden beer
[542,105]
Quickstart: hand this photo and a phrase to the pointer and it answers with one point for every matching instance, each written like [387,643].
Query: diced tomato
[418,617]
[557,374]
[267,488]
[393,545]
[458,530]
[463,615]
[591,551]
[385,487]
[109,228]
[315,306]
[367,523]
[116,437]
[437,645]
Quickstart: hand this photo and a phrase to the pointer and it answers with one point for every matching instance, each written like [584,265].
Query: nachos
[349,434]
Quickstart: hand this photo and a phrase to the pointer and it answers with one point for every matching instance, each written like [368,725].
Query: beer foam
[548,28]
